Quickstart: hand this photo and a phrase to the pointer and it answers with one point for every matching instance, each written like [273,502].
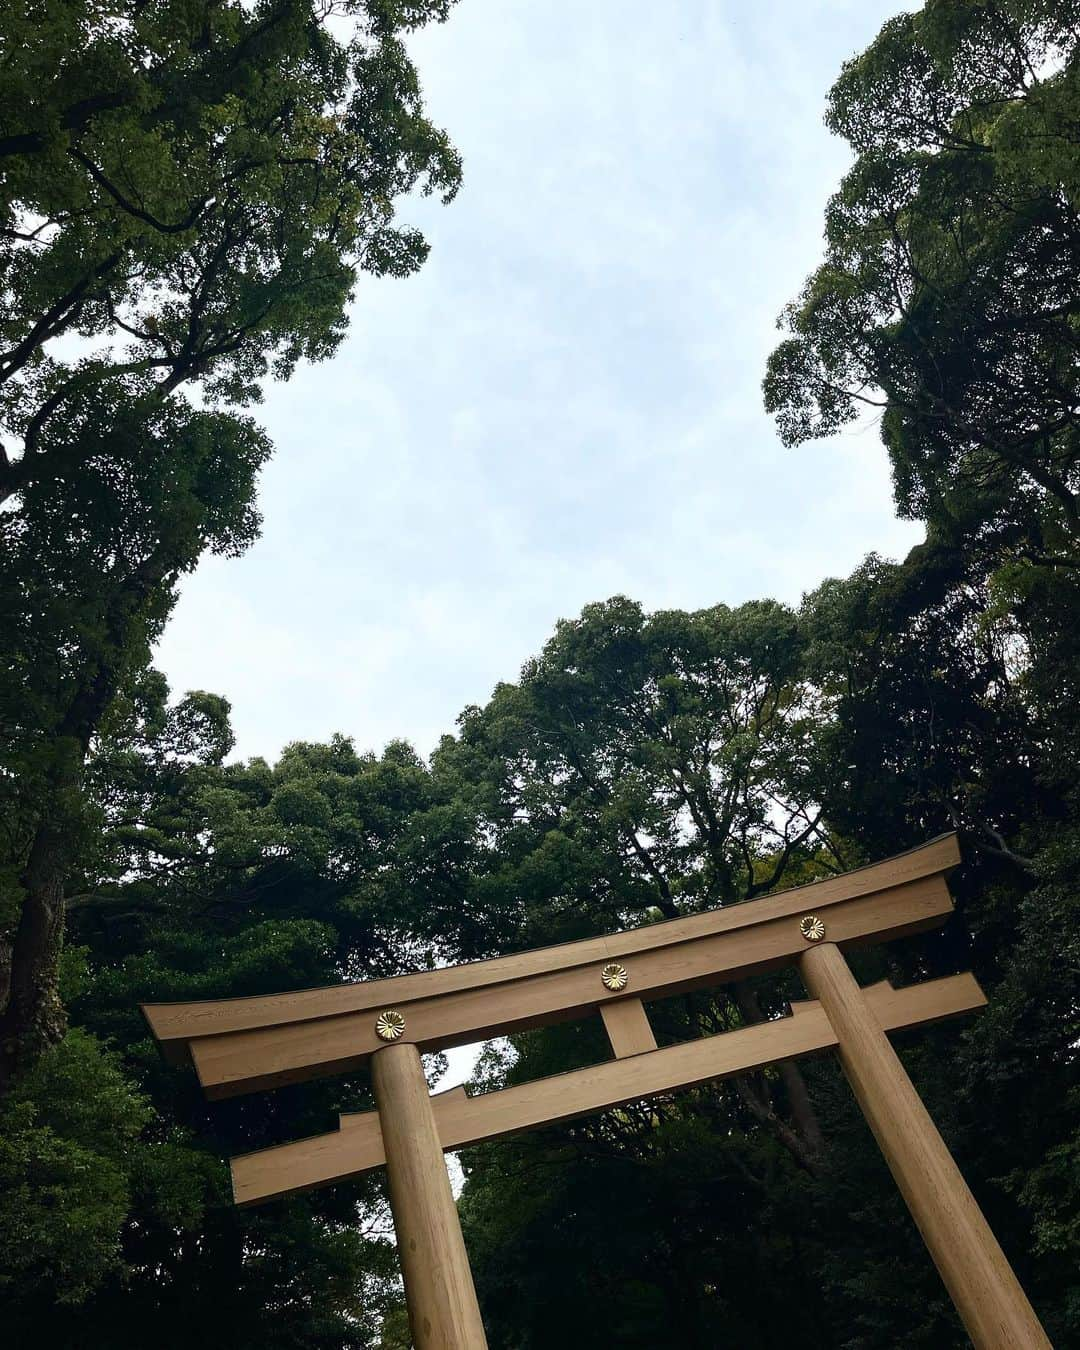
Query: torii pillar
[980,1281]
[439,1290]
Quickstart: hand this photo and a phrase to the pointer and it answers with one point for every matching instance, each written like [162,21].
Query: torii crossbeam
[248,1044]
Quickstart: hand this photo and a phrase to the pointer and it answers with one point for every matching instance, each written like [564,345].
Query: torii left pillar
[439,1290]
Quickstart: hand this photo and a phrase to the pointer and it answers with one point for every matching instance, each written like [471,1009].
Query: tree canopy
[947,297]
[197,185]
[190,190]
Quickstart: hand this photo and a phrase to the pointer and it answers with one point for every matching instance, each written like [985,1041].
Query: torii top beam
[246,1044]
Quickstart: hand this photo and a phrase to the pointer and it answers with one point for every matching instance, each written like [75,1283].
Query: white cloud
[565,403]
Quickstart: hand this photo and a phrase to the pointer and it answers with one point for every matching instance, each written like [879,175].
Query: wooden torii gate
[248,1044]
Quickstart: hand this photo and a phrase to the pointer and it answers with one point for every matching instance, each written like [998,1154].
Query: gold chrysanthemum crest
[811,927]
[389,1025]
[614,977]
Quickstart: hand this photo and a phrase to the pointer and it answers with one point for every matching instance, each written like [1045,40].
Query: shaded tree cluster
[191,190]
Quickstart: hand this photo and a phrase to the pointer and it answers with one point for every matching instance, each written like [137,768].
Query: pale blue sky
[565,403]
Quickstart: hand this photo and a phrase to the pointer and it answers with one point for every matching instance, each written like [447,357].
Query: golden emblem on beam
[389,1025]
[614,977]
[811,927]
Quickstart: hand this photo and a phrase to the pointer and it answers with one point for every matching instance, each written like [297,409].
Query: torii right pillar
[987,1294]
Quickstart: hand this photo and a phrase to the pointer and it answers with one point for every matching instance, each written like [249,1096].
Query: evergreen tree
[948,294]
[203,879]
[189,192]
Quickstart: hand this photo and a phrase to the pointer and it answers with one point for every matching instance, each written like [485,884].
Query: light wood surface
[981,1282]
[174,1024]
[461,1120]
[443,1312]
[248,1061]
[627,1025]
[242,1045]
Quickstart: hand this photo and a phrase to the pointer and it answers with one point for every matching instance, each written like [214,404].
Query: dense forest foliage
[189,190]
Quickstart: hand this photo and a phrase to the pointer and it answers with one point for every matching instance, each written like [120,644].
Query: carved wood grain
[627,1025]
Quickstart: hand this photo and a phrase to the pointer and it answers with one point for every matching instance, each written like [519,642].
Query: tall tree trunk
[805,1142]
[32,1016]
